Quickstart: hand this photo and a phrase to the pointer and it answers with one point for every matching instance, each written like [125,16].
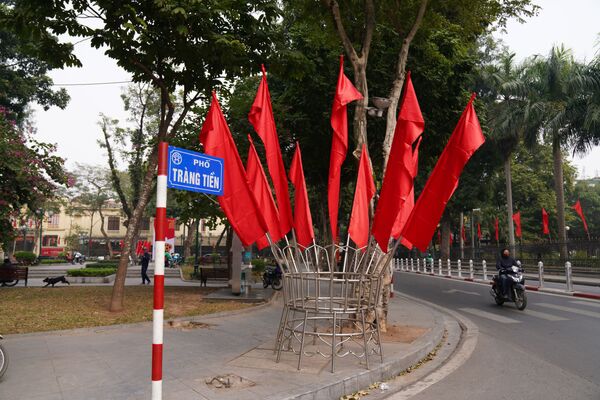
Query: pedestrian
[145,262]
[168,259]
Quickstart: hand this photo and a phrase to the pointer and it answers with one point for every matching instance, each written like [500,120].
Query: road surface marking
[548,317]
[586,303]
[569,309]
[488,315]
[461,291]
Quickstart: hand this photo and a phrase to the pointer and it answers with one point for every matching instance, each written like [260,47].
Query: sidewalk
[114,362]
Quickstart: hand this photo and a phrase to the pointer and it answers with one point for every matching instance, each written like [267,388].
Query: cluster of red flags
[253,212]
[247,200]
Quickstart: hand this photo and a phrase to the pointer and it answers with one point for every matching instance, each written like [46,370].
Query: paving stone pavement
[114,362]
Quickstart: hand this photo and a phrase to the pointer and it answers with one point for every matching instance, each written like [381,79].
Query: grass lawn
[44,309]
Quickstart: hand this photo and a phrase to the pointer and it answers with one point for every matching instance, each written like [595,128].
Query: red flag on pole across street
[517,219]
[465,140]
[365,190]
[344,94]
[496,230]
[260,186]
[238,201]
[303,226]
[261,117]
[579,211]
[391,213]
[545,227]
[478,231]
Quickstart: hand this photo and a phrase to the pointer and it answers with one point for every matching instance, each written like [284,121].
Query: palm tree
[559,103]
[502,83]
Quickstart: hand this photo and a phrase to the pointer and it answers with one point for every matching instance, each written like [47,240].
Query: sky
[75,129]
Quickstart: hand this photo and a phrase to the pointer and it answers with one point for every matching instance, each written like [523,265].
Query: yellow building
[71,231]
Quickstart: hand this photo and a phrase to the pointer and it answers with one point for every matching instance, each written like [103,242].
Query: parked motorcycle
[3,359]
[517,287]
[273,276]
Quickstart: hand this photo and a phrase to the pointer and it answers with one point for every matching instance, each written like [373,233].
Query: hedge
[101,265]
[52,261]
[91,272]
[25,257]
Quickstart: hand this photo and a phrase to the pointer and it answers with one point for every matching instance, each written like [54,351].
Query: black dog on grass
[54,281]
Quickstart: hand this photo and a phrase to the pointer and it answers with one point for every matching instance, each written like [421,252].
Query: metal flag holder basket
[329,307]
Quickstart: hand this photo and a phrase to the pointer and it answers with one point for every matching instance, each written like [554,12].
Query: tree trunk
[108,243]
[229,242]
[445,244]
[116,302]
[509,205]
[89,252]
[191,236]
[396,90]
[560,199]
[360,107]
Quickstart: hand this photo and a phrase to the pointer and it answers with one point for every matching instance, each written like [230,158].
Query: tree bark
[560,199]
[191,237]
[509,204]
[394,95]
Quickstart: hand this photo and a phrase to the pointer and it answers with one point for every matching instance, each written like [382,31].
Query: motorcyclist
[503,265]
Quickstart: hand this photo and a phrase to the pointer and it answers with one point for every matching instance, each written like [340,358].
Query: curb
[559,292]
[389,369]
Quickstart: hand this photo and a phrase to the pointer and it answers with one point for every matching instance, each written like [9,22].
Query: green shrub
[25,257]
[97,265]
[49,261]
[258,265]
[91,272]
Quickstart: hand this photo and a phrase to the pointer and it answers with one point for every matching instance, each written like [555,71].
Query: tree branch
[116,181]
[339,25]
[369,28]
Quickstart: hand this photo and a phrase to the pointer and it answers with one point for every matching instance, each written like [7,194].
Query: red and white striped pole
[159,271]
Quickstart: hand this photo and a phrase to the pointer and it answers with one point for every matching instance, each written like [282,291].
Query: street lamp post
[23,229]
[196,265]
[473,211]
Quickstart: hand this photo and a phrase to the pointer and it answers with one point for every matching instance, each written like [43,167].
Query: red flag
[579,211]
[402,218]
[478,231]
[517,218]
[401,169]
[344,94]
[260,186]
[545,226]
[365,190]
[303,226]
[261,117]
[496,230]
[465,140]
[464,234]
[238,201]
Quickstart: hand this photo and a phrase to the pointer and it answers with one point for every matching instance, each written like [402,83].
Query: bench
[214,274]
[12,276]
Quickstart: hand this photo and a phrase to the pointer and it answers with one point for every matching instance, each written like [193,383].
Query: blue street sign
[195,172]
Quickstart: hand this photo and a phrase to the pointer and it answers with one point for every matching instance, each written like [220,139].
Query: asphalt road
[551,350]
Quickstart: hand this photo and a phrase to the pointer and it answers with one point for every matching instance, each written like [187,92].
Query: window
[50,241]
[53,221]
[114,223]
[145,224]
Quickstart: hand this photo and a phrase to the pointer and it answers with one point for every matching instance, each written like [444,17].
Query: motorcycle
[517,287]
[273,276]
[78,259]
[3,359]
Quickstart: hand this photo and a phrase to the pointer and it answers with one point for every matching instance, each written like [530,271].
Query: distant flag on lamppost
[392,210]
[545,226]
[238,201]
[261,117]
[463,234]
[303,225]
[345,93]
[478,231]
[443,181]
[497,234]
[517,219]
[579,211]
[260,186]
[364,192]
